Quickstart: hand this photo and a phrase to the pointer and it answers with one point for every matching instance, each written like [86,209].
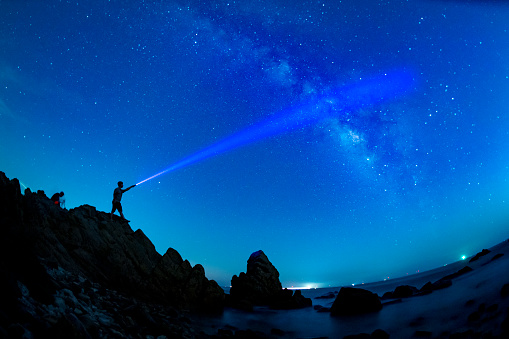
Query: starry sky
[93,92]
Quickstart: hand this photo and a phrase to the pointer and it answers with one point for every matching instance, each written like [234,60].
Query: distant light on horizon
[309,286]
[354,284]
[463,257]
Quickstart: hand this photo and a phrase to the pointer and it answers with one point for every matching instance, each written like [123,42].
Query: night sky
[93,92]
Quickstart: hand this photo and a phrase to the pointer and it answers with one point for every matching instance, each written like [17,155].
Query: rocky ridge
[59,268]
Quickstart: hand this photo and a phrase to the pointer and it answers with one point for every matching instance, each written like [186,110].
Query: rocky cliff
[40,241]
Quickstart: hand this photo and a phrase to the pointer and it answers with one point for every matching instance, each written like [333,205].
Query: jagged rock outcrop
[86,242]
[260,285]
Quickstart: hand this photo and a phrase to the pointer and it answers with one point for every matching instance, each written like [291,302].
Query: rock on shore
[260,285]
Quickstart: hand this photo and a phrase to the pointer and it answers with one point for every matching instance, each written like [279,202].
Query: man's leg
[113,208]
[119,207]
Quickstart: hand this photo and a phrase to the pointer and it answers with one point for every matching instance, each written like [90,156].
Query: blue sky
[100,91]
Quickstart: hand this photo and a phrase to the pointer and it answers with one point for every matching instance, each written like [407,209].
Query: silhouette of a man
[117,197]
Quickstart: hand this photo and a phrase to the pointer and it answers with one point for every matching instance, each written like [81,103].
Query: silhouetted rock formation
[446,281]
[40,240]
[260,285]
[287,300]
[353,301]
[480,254]
[405,291]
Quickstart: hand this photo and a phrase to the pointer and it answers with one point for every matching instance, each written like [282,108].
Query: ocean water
[445,310]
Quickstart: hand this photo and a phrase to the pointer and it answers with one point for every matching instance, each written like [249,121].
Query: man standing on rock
[117,196]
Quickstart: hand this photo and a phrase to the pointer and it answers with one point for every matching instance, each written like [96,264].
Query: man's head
[61,194]
[120,184]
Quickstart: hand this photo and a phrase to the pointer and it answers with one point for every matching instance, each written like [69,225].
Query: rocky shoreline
[79,274]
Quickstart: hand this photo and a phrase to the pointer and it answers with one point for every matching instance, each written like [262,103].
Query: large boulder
[353,301]
[260,285]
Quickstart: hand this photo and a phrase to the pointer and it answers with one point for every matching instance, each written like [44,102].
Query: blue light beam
[348,98]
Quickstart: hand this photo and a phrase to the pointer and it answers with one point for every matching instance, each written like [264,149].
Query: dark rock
[505,326]
[492,308]
[404,291]
[358,336]
[249,334]
[437,285]
[388,295]
[17,331]
[260,285]
[481,308]
[330,295]
[480,254]
[441,284]
[3,333]
[380,334]
[474,316]
[504,292]
[461,272]
[321,309]
[353,301]
[225,333]
[286,299]
[392,302]
[427,286]
[423,334]
[278,332]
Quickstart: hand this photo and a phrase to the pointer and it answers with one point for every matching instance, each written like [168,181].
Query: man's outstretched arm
[128,188]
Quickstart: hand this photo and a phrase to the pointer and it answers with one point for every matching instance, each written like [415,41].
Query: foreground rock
[260,285]
[405,291]
[103,257]
[79,308]
[354,301]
